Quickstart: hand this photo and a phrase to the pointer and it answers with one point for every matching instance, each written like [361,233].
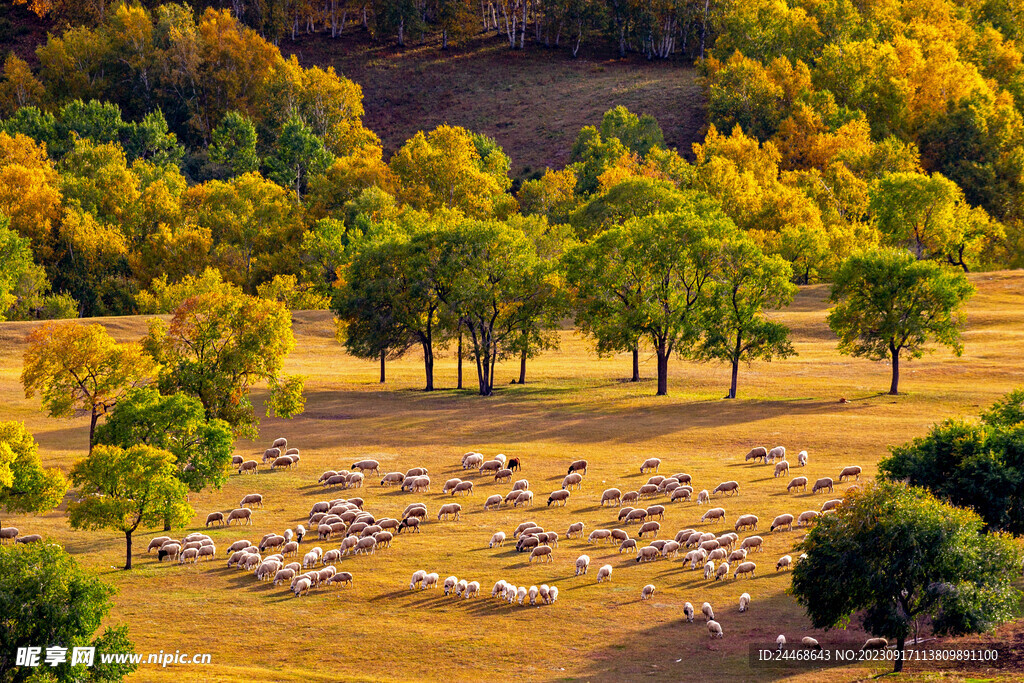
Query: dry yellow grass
[574,406]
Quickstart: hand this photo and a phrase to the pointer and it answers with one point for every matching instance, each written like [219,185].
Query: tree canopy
[25,486]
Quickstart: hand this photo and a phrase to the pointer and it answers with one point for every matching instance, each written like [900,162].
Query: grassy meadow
[574,405]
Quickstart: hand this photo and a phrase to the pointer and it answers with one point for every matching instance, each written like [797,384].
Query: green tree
[735,327]
[15,263]
[24,485]
[888,304]
[74,366]
[46,597]
[638,133]
[977,465]
[902,556]
[630,198]
[123,488]
[234,144]
[298,155]
[217,346]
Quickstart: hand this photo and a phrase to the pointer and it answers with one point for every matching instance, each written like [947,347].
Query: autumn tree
[234,144]
[297,155]
[889,305]
[80,367]
[735,327]
[123,488]
[218,346]
[25,486]
[901,556]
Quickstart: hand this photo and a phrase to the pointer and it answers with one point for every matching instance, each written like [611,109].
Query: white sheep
[647,592]
[552,594]
[715,629]
[499,587]
[801,460]
[688,612]
[521,594]
[810,643]
[497,540]
[472,590]
[417,578]
[780,641]
[709,614]
[604,573]
[709,569]
[703,497]
[449,585]
[784,562]
[430,580]
[533,592]
[744,602]
[582,564]
[460,588]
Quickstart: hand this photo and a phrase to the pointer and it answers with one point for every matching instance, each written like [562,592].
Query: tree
[217,346]
[234,144]
[123,488]
[49,599]
[903,556]
[638,133]
[297,156]
[75,366]
[15,263]
[201,447]
[24,485]
[889,304]
[976,465]
[736,329]
[652,276]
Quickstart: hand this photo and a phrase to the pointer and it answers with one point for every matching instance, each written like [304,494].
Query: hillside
[533,101]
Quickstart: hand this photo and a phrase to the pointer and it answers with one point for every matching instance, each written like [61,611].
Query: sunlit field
[573,406]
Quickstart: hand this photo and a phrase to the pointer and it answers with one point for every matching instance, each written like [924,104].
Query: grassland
[532,101]
[573,406]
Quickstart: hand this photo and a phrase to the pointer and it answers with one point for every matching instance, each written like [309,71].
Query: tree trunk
[460,359]
[662,369]
[428,365]
[898,664]
[636,364]
[128,549]
[522,367]
[736,364]
[92,426]
[167,524]
[894,386]
[383,354]
[444,39]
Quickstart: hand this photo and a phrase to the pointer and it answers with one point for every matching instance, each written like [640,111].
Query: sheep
[498,539]
[831,504]
[573,480]
[780,641]
[417,578]
[491,466]
[560,496]
[515,464]
[272,454]
[541,551]
[290,548]
[650,464]
[511,497]
[577,466]
[744,602]
[274,541]
[533,592]
[777,453]
[9,533]
[717,554]
[626,511]
[797,483]
[709,614]
[449,511]
[450,484]
[524,498]
[657,480]
[703,497]
[647,592]
[449,585]
[823,483]
[521,594]
[285,461]
[619,535]
[240,514]
[806,518]
[419,484]
[810,643]
[713,514]
[784,562]
[302,586]
[392,478]
[604,573]
[521,485]
[503,475]
[236,460]
[499,588]
[737,555]
[727,487]
[280,443]
[492,502]
[709,569]
[523,527]
[354,480]
[635,515]
[502,457]
[187,555]
[875,644]
[752,542]
[472,590]
[342,579]
[756,453]
[784,520]
[656,511]
[471,461]
[649,527]
[628,544]
[801,459]
[527,542]
[851,471]
[582,564]
[745,568]
[647,554]
[367,466]
[746,522]
[688,612]
[722,572]
[647,490]
[681,493]
[781,468]
[575,530]
[366,546]
[430,581]
[248,466]
[309,559]
[629,497]
[283,575]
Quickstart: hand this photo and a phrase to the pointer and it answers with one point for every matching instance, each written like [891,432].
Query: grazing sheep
[744,602]
[417,578]
[491,466]
[625,512]
[745,568]
[709,569]
[419,484]
[656,511]
[806,518]
[523,527]
[573,480]
[777,453]
[248,466]
[582,564]
[392,478]
[648,490]
[722,572]
[524,498]
[657,480]
[284,461]
[9,533]
[492,502]
[746,522]
[636,516]
[560,496]
[503,475]
[727,487]
[521,594]
[354,480]
[780,641]
[552,594]
[367,466]
[681,493]
[465,487]
[713,514]
[502,457]
[797,483]
[541,551]
[575,530]
[472,590]
[471,461]
[851,471]
[629,497]
[498,539]
[280,443]
[752,542]
[647,554]
[650,464]
[619,535]
[784,520]
[366,546]
[709,614]
[781,468]
[325,476]
[382,539]
[430,581]
[578,466]
[450,583]
[628,544]
[284,575]
[647,592]
[499,588]
[274,541]
[810,643]
[670,548]
[210,519]
[604,573]
[342,579]
[533,592]
[737,555]
[801,459]
[515,464]
[823,483]
[416,472]
[703,497]
[240,514]
[511,497]
[302,586]
[450,484]
[544,593]
[187,555]
[521,485]
[756,453]
[648,528]
[272,454]
[875,644]
[612,496]
[236,460]
[290,548]
[831,504]
[717,554]
[527,542]
[784,562]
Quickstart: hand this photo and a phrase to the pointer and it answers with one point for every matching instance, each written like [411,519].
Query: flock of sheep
[360,532]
